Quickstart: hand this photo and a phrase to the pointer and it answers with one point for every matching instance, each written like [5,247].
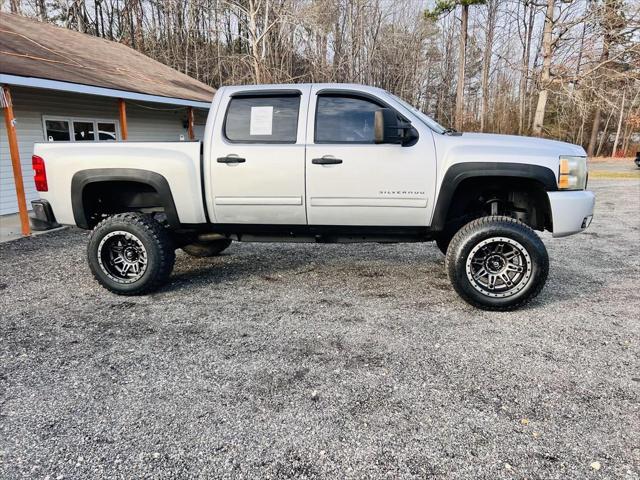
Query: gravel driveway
[323,361]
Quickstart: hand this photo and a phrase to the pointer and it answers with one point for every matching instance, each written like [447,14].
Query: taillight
[40,174]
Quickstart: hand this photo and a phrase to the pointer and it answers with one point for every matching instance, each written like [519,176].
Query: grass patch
[615,175]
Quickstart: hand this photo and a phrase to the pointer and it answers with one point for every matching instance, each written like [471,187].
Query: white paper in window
[261,121]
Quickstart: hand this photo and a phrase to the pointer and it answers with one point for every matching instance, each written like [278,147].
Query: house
[67,86]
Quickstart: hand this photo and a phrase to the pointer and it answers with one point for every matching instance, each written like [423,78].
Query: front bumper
[571,212]
[44,218]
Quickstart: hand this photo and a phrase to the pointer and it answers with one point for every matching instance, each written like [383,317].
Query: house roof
[51,56]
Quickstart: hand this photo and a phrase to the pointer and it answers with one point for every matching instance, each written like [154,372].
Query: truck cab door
[353,181]
[256,156]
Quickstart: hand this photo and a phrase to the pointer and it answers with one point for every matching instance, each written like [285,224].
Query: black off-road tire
[486,229]
[207,249]
[157,246]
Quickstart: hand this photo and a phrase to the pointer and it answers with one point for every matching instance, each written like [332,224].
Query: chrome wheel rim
[499,267]
[122,257]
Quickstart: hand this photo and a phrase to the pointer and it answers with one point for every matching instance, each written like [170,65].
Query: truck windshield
[428,121]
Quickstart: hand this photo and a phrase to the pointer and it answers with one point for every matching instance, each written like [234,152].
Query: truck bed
[178,162]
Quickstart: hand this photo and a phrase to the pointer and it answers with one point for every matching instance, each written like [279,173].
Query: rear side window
[345,120]
[262,119]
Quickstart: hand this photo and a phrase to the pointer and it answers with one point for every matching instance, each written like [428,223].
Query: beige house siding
[146,122]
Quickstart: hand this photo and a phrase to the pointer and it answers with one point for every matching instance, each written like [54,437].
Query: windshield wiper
[452,132]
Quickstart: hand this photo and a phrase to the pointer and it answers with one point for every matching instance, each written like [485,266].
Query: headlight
[573,173]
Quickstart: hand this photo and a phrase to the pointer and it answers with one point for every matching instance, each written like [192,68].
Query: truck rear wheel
[497,263]
[130,254]
[207,249]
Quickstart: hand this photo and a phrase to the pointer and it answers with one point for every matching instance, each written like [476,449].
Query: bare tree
[527,23]
[559,67]
[444,7]
[611,23]
[614,151]
[545,76]
[492,13]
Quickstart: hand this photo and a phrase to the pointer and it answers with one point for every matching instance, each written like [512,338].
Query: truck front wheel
[130,254]
[497,263]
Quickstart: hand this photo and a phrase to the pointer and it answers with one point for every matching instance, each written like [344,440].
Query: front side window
[345,120]
[262,119]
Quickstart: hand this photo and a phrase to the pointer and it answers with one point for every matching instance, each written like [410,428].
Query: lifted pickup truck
[320,163]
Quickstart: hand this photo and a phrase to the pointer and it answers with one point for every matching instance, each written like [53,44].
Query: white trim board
[93,90]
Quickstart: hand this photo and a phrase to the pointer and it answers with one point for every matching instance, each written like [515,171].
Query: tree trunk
[486,62]
[605,135]
[42,10]
[597,116]
[461,65]
[615,143]
[253,41]
[629,127]
[77,12]
[524,74]
[545,77]
[139,12]
[595,129]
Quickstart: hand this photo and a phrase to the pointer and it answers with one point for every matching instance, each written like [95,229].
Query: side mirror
[388,128]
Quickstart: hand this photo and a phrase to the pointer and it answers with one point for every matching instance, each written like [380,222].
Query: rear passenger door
[258,157]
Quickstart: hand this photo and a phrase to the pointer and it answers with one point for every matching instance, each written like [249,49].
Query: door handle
[231,159]
[326,161]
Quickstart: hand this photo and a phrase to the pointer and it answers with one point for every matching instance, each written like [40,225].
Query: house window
[83,131]
[56,130]
[107,131]
[80,130]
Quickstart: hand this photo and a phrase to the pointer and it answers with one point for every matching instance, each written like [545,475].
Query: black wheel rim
[499,267]
[122,257]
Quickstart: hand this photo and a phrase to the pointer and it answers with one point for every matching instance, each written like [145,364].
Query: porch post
[122,107]
[10,123]
[190,123]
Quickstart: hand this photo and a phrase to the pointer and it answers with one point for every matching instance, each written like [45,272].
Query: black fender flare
[83,178]
[463,171]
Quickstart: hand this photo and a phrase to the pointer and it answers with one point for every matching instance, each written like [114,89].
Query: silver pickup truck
[320,163]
